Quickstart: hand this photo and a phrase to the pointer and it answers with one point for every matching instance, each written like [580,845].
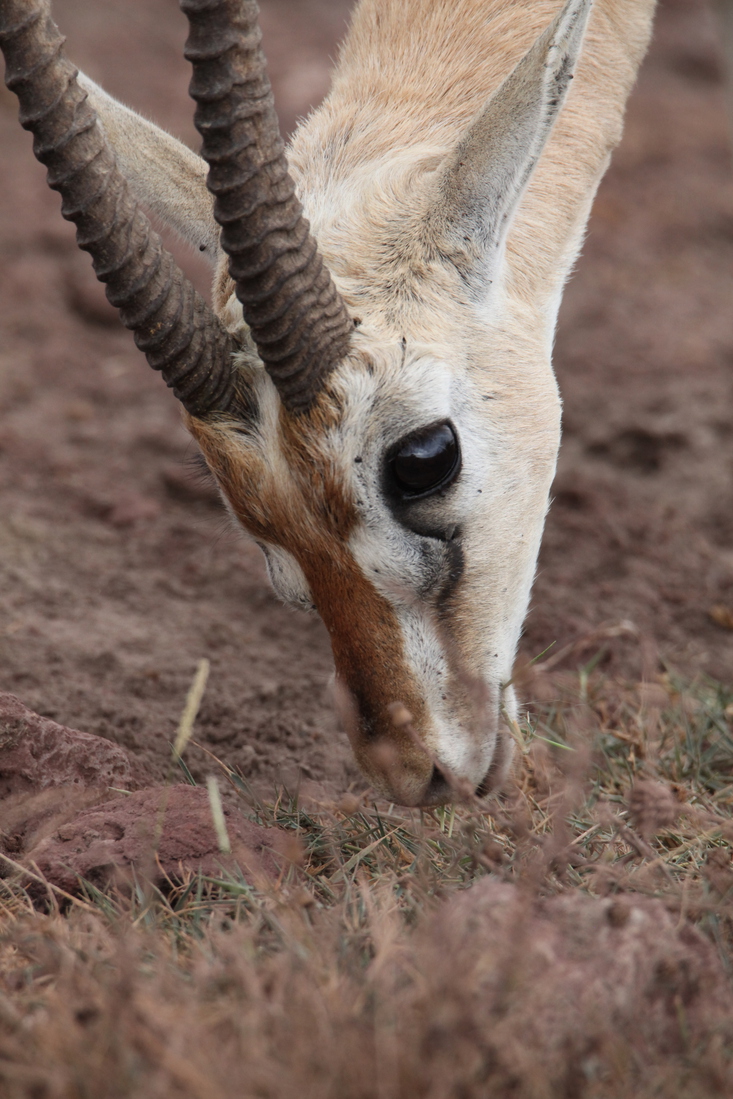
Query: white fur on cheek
[286,577]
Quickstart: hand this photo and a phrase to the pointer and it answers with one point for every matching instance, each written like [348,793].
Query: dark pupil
[426,460]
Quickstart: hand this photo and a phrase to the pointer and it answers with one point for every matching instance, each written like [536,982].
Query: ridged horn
[175,328]
[297,318]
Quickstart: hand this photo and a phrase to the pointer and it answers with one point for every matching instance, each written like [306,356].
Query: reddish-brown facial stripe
[368,652]
[310,516]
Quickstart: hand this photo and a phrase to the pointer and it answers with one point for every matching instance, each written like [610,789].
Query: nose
[422,784]
[394,758]
[443,788]
[403,773]
[427,786]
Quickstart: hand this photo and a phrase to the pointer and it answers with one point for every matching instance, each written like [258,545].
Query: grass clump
[571,938]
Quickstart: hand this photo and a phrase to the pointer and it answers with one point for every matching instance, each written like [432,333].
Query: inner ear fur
[167,177]
[477,190]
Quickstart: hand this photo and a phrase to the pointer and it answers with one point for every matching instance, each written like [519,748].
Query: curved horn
[173,325]
[296,316]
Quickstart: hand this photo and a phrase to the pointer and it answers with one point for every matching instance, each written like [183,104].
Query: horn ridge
[297,318]
[172,324]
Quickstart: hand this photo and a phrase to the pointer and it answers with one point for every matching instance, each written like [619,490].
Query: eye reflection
[426,461]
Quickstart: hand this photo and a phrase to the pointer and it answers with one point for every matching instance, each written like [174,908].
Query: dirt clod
[163,832]
[37,753]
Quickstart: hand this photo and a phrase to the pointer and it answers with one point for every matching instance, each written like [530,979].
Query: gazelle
[379,410]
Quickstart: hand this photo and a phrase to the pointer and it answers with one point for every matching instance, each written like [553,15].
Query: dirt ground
[118,570]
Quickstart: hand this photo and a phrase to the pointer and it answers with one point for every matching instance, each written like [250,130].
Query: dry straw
[217,815]
[183,735]
[191,709]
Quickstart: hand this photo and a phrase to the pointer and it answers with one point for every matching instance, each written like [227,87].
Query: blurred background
[118,570]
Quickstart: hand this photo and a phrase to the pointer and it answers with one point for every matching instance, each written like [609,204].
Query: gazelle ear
[480,184]
[165,175]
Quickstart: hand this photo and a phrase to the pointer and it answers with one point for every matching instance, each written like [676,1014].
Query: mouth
[443,788]
[434,787]
[485,787]
[401,767]
[426,782]
[439,791]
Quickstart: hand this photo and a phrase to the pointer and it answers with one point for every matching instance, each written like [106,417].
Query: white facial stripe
[461,742]
[398,572]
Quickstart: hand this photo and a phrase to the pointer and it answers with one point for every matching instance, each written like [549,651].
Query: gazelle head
[387,433]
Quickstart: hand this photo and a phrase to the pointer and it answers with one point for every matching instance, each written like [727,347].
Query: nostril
[439,788]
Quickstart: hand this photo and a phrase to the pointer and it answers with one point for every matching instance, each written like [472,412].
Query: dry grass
[368,972]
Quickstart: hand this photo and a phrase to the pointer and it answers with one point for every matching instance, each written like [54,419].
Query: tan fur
[411,75]
[449,328]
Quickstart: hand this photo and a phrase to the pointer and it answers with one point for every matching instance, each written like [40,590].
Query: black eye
[426,461]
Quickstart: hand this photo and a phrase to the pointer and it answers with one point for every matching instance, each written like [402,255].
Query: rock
[37,753]
[108,839]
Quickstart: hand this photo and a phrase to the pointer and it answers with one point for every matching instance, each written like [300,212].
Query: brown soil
[118,569]
[642,524]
